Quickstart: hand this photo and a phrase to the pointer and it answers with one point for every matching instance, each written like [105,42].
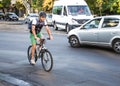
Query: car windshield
[78,10]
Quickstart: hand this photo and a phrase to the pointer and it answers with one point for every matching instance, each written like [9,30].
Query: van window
[78,10]
[57,10]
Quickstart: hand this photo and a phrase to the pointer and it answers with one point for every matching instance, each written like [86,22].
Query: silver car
[102,31]
[30,17]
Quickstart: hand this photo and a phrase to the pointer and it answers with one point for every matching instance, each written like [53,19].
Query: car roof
[9,13]
[110,16]
[33,13]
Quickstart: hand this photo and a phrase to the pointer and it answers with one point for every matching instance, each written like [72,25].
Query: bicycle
[43,53]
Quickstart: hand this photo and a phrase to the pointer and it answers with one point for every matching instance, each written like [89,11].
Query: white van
[68,14]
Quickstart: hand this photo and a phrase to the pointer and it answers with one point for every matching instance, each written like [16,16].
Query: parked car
[2,15]
[11,16]
[49,19]
[101,31]
[30,17]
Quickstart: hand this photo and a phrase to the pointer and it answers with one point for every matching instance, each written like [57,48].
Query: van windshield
[78,10]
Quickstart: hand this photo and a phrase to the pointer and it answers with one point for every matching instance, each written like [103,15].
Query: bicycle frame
[43,53]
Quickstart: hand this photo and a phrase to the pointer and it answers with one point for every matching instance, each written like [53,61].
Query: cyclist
[35,32]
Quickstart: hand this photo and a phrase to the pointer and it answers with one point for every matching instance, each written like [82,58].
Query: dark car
[11,16]
[2,15]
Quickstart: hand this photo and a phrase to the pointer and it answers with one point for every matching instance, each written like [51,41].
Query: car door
[89,32]
[108,30]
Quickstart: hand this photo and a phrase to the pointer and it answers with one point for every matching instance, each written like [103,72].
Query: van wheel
[55,26]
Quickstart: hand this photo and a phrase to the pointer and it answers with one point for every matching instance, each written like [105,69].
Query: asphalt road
[84,66]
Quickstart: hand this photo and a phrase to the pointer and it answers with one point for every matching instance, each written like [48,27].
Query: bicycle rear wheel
[47,60]
[29,54]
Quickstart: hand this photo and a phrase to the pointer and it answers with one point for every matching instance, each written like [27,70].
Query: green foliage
[47,5]
[19,5]
[1,5]
[6,3]
[104,7]
[37,4]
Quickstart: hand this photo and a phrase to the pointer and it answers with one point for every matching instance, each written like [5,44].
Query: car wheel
[74,42]
[116,46]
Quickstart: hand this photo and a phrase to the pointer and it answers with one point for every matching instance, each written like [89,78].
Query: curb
[11,23]
[19,22]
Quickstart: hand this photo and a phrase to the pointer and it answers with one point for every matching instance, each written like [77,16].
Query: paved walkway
[12,22]
[10,25]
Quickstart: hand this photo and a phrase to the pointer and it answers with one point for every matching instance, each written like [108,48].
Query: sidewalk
[13,26]
[12,22]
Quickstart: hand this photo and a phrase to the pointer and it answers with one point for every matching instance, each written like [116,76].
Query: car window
[110,22]
[92,24]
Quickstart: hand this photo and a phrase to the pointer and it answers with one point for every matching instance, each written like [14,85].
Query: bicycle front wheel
[47,60]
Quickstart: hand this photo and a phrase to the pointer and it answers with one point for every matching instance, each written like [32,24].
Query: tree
[99,4]
[106,7]
[115,6]
[1,4]
[5,4]
[19,8]
[47,5]
[37,4]
[91,4]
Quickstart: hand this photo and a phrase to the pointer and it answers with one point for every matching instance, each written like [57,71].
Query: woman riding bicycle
[35,32]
